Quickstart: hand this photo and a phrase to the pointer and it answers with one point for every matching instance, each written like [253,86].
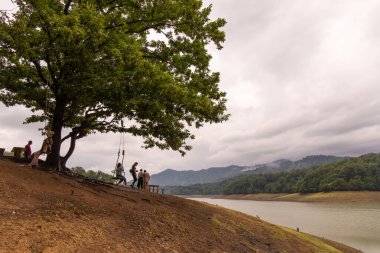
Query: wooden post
[2,152]
[163,190]
[154,188]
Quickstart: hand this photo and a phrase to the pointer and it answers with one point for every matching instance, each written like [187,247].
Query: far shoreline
[337,196]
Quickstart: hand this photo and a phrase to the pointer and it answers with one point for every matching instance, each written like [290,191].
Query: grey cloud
[345,120]
[301,78]
[7,118]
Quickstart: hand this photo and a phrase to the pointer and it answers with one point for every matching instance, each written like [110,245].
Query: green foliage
[79,170]
[99,175]
[196,189]
[103,61]
[355,174]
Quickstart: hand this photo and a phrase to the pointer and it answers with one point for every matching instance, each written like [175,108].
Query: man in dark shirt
[140,179]
[28,151]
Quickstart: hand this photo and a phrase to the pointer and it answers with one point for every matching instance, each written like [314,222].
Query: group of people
[45,149]
[141,176]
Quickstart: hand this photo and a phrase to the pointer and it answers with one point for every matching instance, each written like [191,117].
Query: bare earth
[42,211]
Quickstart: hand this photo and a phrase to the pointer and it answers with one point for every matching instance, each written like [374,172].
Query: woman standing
[146,178]
[133,172]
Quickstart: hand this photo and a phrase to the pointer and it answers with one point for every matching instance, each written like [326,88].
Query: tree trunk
[70,151]
[53,159]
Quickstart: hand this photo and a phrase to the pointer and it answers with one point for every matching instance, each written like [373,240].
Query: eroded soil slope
[42,211]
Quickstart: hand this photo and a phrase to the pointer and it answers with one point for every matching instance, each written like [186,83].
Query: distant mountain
[354,174]
[306,162]
[187,177]
[351,174]
[172,177]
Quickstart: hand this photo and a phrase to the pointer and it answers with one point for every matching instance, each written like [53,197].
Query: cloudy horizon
[301,78]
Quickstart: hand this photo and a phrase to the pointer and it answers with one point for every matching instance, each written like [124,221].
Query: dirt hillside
[42,211]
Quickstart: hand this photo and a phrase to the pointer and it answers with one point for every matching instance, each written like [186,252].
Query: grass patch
[313,240]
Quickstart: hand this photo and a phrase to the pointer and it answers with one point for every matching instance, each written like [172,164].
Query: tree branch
[70,151]
[40,73]
[66,137]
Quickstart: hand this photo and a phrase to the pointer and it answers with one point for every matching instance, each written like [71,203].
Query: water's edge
[356,224]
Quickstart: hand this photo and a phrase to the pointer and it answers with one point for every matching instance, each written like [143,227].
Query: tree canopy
[88,64]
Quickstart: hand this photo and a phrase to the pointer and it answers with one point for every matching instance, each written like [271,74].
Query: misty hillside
[187,177]
[354,174]
[216,174]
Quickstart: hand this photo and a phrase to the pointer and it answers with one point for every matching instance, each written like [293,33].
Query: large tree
[88,64]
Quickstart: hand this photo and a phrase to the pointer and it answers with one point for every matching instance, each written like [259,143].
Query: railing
[155,188]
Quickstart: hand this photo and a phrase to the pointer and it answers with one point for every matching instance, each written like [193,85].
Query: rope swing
[47,101]
[48,141]
[121,142]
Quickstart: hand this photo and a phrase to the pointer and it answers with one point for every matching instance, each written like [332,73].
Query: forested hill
[354,174]
[217,174]
[174,177]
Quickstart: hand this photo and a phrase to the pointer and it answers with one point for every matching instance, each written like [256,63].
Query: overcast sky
[302,77]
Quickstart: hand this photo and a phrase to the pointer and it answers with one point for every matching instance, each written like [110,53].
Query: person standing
[146,177]
[45,149]
[28,151]
[133,172]
[140,179]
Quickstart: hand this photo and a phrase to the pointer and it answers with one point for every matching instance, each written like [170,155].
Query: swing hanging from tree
[48,141]
[121,142]
[46,147]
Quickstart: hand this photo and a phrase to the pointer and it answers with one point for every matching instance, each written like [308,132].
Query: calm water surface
[354,224]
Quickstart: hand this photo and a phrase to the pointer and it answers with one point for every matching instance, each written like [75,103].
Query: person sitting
[119,174]
[28,151]
[45,149]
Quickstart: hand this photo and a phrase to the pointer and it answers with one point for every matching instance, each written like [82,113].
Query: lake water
[354,224]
